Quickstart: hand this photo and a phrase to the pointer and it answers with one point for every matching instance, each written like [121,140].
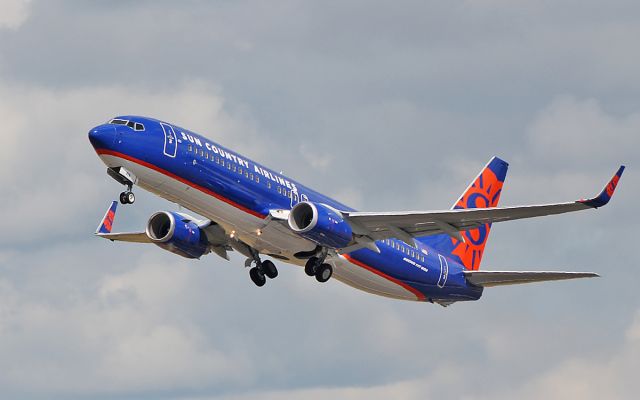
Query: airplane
[427,256]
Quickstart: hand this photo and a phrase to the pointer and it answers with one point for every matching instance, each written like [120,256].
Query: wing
[411,224]
[500,278]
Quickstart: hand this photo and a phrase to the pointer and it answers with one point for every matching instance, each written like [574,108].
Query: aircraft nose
[103,136]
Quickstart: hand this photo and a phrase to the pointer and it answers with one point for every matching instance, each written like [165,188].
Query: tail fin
[484,192]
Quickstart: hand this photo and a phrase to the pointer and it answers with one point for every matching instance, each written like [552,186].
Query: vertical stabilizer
[483,192]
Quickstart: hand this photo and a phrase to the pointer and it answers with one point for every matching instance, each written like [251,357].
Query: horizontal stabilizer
[499,278]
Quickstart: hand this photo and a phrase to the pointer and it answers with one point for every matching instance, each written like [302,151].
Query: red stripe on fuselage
[178,178]
[413,290]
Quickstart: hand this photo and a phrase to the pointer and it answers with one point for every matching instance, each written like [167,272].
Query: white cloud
[13,13]
[608,376]
[125,336]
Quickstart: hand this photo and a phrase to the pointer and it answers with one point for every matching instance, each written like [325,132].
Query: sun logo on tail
[483,193]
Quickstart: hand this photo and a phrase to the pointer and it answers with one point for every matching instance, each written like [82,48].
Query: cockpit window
[136,126]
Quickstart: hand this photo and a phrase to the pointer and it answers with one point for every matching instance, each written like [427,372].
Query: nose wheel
[127,197]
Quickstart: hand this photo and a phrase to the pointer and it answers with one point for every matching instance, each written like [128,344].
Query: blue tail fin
[484,192]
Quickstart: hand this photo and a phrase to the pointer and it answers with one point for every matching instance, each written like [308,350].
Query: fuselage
[238,194]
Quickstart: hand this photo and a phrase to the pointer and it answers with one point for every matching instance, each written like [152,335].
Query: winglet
[107,222]
[603,198]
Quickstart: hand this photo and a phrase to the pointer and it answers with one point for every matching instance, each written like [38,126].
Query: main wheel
[269,269]
[123,198]
[310,266]
[257,276]
[324,273]
[131,198]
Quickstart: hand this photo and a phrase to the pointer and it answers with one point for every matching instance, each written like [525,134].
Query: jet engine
[177,234]
[321,224]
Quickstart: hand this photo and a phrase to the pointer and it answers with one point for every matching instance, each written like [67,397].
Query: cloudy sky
[383,105]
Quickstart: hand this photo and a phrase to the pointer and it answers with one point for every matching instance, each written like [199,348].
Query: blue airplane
[431,256]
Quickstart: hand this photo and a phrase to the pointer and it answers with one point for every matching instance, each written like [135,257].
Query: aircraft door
[444,271]
[294,198]
[170,141]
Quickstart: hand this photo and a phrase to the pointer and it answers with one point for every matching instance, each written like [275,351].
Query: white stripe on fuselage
[274,238]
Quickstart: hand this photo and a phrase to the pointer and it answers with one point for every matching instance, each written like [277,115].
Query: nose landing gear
[124,177]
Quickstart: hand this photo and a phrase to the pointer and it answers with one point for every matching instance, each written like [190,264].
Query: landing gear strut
[316,266]
[262,270]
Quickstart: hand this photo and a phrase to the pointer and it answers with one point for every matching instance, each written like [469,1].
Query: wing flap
[501,278]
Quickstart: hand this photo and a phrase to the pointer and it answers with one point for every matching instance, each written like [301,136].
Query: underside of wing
[133,237]
[500,278]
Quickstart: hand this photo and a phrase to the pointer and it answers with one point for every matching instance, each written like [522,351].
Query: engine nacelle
[175,234]
[320,224]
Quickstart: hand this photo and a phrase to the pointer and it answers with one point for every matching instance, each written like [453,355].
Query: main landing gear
[316,266]
[262,270]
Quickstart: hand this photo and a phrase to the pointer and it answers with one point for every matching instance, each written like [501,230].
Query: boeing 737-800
[429,256]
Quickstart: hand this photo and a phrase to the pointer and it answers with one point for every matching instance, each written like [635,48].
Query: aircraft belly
[274,237]
[368,281]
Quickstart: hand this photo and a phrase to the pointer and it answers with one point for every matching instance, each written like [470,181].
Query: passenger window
[222,162]
[246,174]
[233,167]
[190,148]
